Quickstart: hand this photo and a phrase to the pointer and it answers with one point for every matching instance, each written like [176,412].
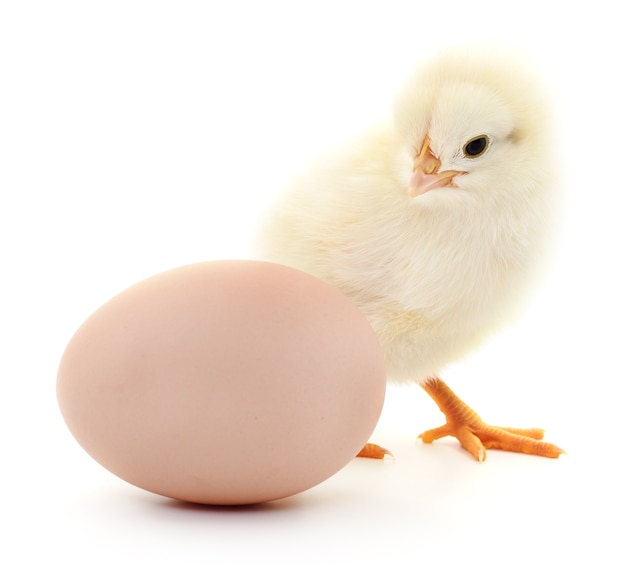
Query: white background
[140,136]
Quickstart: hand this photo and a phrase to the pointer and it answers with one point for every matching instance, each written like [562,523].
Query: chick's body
[431,279]
[433,243]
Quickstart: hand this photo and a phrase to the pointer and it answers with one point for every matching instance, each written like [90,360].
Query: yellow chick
[431,225]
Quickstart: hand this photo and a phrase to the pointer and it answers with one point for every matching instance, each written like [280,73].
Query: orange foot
[476,436]
[374,451]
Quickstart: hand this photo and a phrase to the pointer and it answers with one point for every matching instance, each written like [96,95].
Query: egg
[225,382]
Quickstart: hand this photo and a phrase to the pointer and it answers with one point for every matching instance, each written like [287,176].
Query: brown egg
[228,382]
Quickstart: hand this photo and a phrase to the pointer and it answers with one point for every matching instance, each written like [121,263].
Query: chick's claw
[374,451]
[475,435]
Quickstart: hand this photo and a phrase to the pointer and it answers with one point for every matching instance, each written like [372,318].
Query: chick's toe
[463,423]
[374,451]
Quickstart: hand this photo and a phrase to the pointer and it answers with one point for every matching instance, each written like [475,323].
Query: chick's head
[472,123]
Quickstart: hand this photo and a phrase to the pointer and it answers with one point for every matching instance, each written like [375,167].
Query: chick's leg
[476,436]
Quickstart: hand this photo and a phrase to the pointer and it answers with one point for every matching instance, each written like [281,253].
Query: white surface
[135,137]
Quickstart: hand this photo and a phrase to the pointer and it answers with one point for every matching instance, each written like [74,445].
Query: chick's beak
[426,176]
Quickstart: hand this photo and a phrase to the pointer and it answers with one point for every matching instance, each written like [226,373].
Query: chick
[432,225]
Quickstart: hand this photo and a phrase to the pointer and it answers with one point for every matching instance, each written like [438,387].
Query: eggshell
[227,382]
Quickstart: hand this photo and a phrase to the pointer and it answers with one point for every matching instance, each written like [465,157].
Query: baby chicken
[432,224]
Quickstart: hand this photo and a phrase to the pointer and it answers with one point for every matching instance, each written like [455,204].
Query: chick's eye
[476,146]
